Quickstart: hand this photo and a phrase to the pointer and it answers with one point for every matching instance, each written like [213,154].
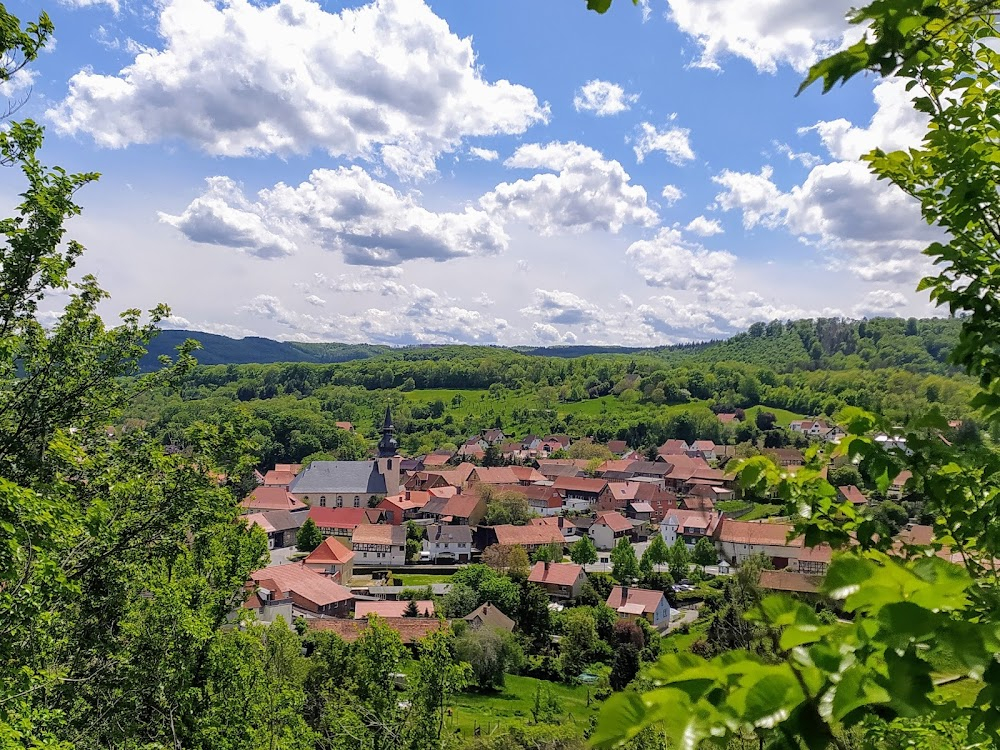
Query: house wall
[460,549]
[602,536]
[737,552]
[382,555]
[340,573]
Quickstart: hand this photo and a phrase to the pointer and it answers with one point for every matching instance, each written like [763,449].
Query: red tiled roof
[693,519]
[704,445]
[853,494]
[410,629]
[787,580]
[495,475]
[621,596]
[580,484]
[338,518]
[330,551]
[614,521]
[626,491]
[752,532]
[528,535]
[902,478]
[673,448]
[294,468]
[916,533]
[271,498]
[821,553]
[557,574]
[345,426]
[617,446]
[527,474]
[277,478]
[308,584]
[391,609]
[377,533]
[437,459]
[617,465]
[258,519]
[726,417]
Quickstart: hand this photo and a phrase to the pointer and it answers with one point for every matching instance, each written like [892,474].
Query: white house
[738,540]
[690,525]
[449,543]
[631,603]
[608,529]
[379,545]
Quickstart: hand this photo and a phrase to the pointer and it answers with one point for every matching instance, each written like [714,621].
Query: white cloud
[388,81]
[895,125]
[486,154]
[18,85]
[603,98]
[869,227]
[704,227]
[343,209]
[671,194]
[768,33]
[113,4]
[674,142]
[804,158]
[565,308]
[587,192]
[880,302]
[312,299]
[669,261]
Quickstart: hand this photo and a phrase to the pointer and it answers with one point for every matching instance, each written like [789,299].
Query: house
[563,440]
[488,616]
[542,499]
[834,435]
[706,495]
[618,447]
[703,449]
[530,537]
[579,493]
[851,493]
[332,559]
[615,470]
[493,475]
[674,448]
[624,493]
[809,427]
[494,436]
[813,560]
[379,545]
[346,426]
[559,580]
[738,540]
[786,456]
[726,417]
[526,475]
[281,475]
[352,484]
[270,498]
[409,629]
[530,442]
[552,470]
[473,451]
[341,522]
[898,485]
[268,605]
[651,469]
[307,589]
[460,510]
[403,507]
[425,608]
[281,526]
[436,459]
[789,582]
[608,529]
[449,543]
[568,529]
[639,511]
[632,603]
[689,525]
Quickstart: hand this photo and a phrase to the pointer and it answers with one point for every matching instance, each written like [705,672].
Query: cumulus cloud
[586,192]
[314,300]
[565,308]
[673,142]
[804,158]
[879,302]
[18,85]
[767,34]
[342,209]
[112,4]
[386,81]
[603,98]
[486,154]
[668,260]
[671,194]
[704,227]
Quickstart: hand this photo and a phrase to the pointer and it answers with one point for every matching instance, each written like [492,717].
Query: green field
[416,579]
[489,711]
[784,417]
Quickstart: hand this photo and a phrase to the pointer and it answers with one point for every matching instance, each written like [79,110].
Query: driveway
[687,616]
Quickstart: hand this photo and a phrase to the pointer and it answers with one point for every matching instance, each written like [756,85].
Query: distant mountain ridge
[919,345]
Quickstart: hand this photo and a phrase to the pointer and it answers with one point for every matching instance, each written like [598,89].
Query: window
[322,501]
[340,501]
[388,464]
[357,501]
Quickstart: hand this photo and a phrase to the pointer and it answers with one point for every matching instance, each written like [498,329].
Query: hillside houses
[608,528]
[308,590]
[558,580]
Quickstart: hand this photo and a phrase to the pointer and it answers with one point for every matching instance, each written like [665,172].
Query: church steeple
[388,446]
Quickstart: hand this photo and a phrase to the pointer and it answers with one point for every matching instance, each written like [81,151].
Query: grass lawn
[514,704]
[784,417]
[761,510]
[416,579]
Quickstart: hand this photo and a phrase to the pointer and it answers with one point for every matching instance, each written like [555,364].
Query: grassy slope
[514,704]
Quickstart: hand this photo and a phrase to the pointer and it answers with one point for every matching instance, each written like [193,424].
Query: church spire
[388,446]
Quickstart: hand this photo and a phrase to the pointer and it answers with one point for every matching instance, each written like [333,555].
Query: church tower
[388,455]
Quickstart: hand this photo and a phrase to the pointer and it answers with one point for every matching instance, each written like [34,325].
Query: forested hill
[826,343]
[222,350]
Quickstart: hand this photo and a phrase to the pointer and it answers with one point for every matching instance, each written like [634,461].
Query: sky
[504,172]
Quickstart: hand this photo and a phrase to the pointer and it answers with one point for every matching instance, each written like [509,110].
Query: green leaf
[601,6]
[857,687]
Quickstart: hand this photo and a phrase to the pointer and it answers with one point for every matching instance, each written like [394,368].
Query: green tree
[583,551]
[679,560]
[533,616]
[436,678]
[624,666]
[657,550]
[892,514]
[579,642]
[551,552]
[491,653]
[624,564]
[705,553]
[459,601]
[411,609]
[309,536]
[506,507]
[848,474]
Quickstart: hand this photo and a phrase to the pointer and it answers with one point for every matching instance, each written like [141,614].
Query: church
[352,484]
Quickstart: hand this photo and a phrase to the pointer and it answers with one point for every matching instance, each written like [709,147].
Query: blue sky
[506,172]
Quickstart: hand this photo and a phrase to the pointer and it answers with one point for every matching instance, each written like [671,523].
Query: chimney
[546,567]
[624,595]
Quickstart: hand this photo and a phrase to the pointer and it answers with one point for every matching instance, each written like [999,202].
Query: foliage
[892,515]
[657,551]
[625,666]
[505,507]
[552,552]
[624,565]
[679,559]
[704,553]
[579,644]
[489,586]
[491,653]
[309,536]
[460,600]
[533,616]
[511,559]
[583,551]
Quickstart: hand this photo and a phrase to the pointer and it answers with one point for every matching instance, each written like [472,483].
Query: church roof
[331,477]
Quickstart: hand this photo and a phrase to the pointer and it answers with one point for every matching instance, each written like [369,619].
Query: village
[392,515]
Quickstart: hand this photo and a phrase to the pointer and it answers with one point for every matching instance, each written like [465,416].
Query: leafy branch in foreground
[908,605]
